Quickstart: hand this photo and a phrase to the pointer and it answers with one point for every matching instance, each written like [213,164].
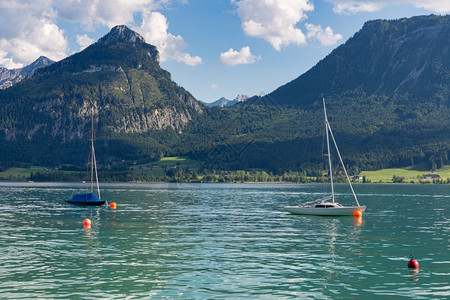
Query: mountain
[120,79]
[41,62]
[388,97]
[10,77]
[224,102]
[386,57]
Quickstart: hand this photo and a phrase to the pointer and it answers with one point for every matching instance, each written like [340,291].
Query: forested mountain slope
[386,58]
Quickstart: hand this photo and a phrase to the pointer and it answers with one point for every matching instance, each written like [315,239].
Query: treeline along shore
[187,175]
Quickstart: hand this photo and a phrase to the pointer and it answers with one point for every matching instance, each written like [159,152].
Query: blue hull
[88,199]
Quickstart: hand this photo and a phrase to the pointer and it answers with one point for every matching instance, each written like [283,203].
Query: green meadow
[20,174]
[158,170]
[414,174]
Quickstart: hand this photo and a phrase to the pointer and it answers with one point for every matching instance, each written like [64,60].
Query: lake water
[223,241]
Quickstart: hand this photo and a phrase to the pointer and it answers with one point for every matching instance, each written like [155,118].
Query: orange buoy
[357,213]
[113,205]
[87,223]
[412,263]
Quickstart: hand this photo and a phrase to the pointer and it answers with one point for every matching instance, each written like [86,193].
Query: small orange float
[357,213]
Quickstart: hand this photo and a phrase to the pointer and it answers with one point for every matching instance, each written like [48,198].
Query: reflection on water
[357,221]
[414,274]
[222,241]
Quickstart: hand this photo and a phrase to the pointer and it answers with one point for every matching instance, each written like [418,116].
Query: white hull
[331,211]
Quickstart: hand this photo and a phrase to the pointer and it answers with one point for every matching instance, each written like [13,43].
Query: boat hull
[331,211]
[88,199]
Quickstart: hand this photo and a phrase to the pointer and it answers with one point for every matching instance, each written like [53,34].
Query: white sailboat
[328,206]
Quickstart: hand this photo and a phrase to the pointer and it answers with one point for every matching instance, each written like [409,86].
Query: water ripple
[222,241]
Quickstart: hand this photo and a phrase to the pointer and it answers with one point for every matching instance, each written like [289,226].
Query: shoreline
[166,183]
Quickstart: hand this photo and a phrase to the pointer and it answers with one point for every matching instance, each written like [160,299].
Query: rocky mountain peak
[10,77]
[121,34]
[41,62]
[224,102]
[241,98]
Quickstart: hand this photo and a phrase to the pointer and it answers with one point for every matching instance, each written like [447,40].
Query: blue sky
[213,48]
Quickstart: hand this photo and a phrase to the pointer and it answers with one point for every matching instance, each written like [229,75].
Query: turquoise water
[223,241]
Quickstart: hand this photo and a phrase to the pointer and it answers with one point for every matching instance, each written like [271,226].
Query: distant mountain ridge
[8,77]
[224,102]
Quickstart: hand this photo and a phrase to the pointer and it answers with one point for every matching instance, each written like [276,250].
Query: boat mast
[92,151]
[327,127]
[96,176]
[329,131]
[93,160]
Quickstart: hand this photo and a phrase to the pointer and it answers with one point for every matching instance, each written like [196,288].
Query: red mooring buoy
[413,264]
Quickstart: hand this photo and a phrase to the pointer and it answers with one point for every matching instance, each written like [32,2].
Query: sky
[212,48]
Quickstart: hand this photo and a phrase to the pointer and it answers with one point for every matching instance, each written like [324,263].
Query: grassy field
[178,161]
[157,170]
[413,174]
[171,161]
[23,174]
[20,174]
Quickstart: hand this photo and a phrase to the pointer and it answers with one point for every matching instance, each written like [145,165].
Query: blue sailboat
[86,199]
[89,199]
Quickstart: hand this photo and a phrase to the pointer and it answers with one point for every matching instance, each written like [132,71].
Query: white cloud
[325,37]
[31,31]
[355,6]
[351,6]
[32,27]
[233,58]
[214,86]
[154,30]
[108,13]
[8,62]
[274,21]
[84,41]
[437,6]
